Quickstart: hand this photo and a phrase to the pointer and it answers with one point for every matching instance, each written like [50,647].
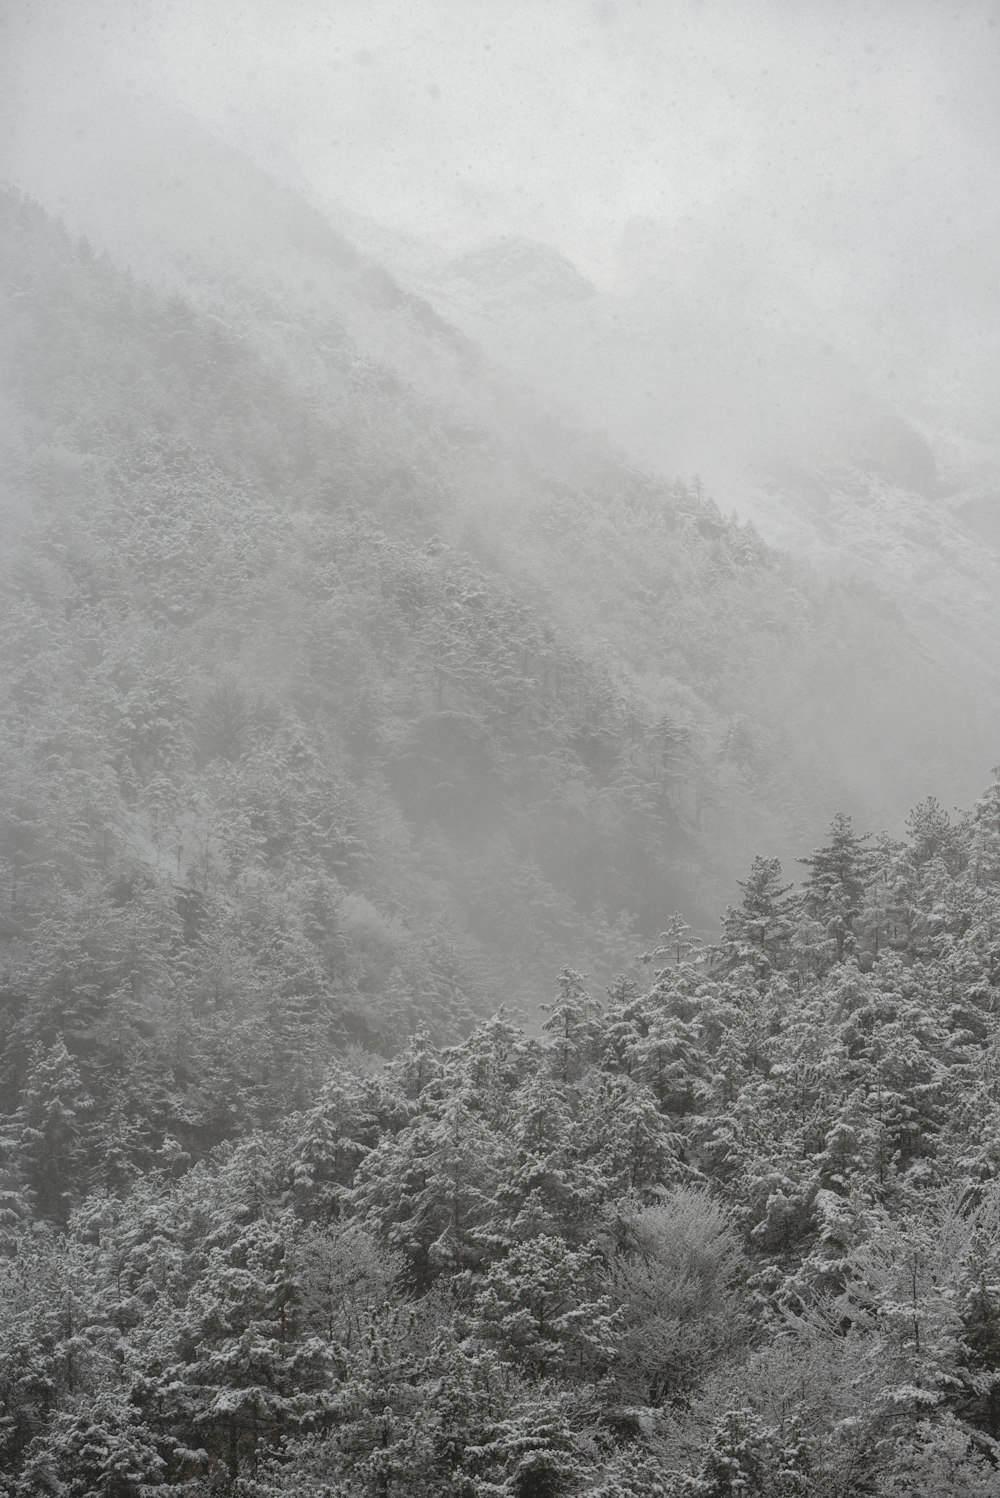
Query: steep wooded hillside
[282,634]
[661,587]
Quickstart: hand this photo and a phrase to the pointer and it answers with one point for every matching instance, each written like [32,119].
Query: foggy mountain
[705,646]
[499,599]
[683,376]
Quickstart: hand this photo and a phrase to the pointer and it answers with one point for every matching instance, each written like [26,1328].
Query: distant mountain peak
[513,263]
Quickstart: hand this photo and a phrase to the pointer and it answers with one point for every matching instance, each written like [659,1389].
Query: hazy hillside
[655,679]
[684,373]
[496,464]
[239,657]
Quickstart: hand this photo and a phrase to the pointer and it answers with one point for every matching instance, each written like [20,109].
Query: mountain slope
[753,392]
[513,699]
[333,778]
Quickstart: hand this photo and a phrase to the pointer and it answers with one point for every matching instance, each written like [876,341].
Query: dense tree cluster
[733,1230]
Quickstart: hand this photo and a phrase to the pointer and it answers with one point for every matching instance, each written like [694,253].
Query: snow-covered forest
[499,841]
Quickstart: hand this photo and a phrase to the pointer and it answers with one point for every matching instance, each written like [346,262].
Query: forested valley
[385,1108]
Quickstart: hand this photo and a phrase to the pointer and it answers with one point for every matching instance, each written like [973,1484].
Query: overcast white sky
[854,147]
[564,118]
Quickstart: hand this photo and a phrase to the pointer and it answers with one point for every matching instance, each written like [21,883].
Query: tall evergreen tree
[835,889]
[756,933]
[50,1132]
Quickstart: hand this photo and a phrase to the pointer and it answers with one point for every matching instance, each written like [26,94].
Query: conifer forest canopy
[499,749]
